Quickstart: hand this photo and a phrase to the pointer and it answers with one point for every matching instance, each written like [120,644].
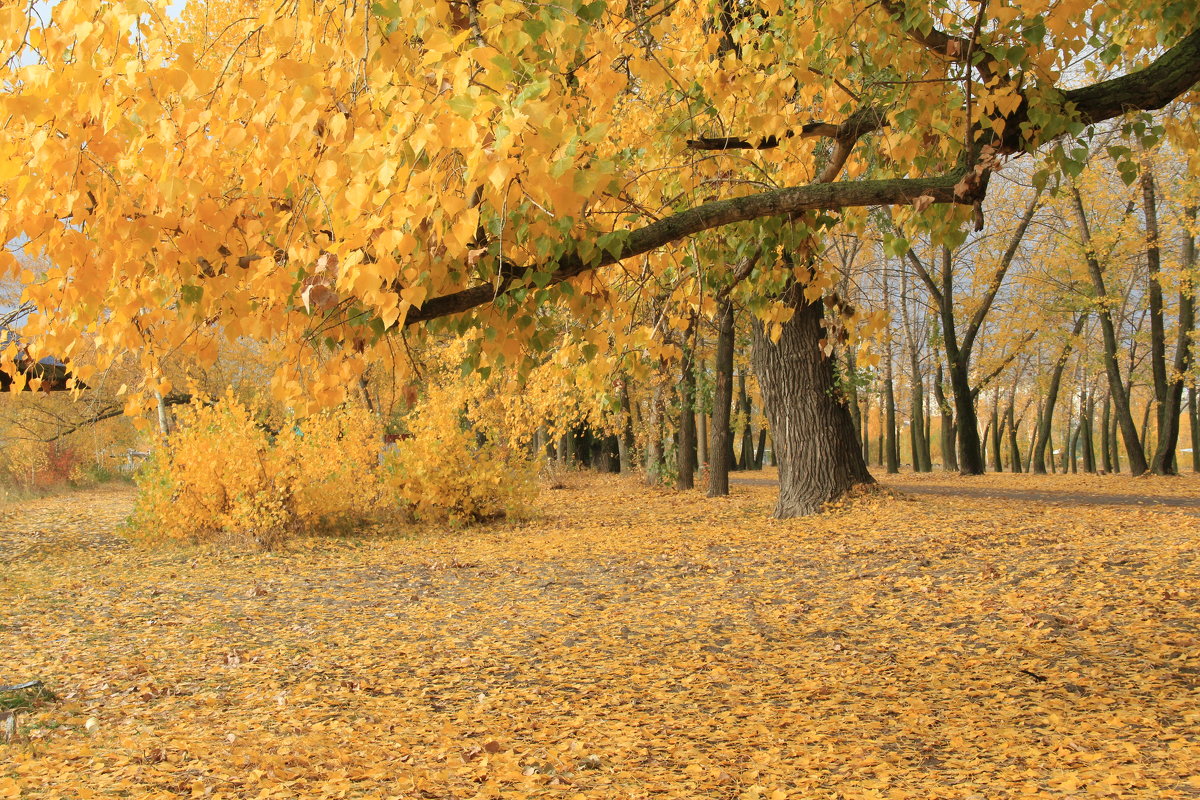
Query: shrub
[336,461]
[217,474]
[450,471]
[224,473]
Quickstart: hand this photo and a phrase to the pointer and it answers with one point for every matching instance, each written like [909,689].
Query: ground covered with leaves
[1004,637]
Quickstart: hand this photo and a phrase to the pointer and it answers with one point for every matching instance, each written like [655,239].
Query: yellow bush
[224,473]
[217,474]
[450,471]
[336,458]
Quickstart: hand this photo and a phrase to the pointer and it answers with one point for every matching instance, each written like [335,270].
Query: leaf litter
[627,643]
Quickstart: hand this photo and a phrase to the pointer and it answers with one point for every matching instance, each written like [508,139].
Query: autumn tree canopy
[318,174]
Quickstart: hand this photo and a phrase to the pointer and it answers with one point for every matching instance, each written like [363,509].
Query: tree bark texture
[817,448]
[720,451]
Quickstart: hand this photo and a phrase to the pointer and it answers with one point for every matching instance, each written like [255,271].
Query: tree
[324,175]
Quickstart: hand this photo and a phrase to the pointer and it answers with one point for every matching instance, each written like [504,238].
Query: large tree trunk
[1124,417]
[1168,429]
[720,451]
[814,438]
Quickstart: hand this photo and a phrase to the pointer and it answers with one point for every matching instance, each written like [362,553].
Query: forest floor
[1000,637]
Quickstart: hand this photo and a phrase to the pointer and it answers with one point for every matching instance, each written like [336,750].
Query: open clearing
[985,638]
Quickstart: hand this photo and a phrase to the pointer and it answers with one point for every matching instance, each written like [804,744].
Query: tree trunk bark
[625,442]
[1105,451]
[1158,333]
[1085,433]
[721,442]
[1114,445]
[997,456]
[685,454]
[654,449]
[866,425]
[949,448]
[1046,418]
[816,445]
[746,458]
[1168,429]
[890,444]
[1014,447]
[1193,397]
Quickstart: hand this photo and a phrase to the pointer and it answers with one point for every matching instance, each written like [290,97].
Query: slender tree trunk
[1105,451]
[1193,397]
[949,448]
[852,391]
[966,421]
[1014,448]
[164,424]
[685,454]
[1068,440]
[814,436]
[625,442]
[1033,438]
[1085,425]
[1121,410]
[762,447]
[865,430]
[701,439]
[1114,445]
[1146,424]
[1046,418]
[997,458]
[891,444]
[1073,450]
[1051,460]
[926,447]
[654,448]
[721,441]
[746,459]
[1158,333]
[916,430]
[881,444]
[1168,429]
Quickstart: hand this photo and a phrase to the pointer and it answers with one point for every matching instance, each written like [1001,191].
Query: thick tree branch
[954,48]
[860,123]
[1169,76]
[780,202]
